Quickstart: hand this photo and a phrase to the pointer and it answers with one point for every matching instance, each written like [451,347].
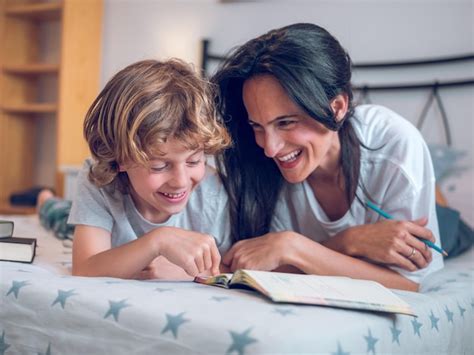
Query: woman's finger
[420,232]
[229,256]
[402,261]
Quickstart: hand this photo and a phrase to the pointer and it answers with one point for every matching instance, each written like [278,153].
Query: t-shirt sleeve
[89,206]
[411,196]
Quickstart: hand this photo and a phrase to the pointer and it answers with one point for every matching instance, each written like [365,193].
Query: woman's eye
[286,124]
[254,126]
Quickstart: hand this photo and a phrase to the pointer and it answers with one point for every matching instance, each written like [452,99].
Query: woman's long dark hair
[313,68]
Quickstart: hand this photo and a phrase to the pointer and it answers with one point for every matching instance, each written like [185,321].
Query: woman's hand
[267,252]
[192,251]
[387,242]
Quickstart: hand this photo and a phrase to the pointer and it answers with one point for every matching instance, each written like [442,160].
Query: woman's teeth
[290,157]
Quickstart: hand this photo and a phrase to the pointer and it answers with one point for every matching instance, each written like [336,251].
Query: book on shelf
[330,291]
[15,248]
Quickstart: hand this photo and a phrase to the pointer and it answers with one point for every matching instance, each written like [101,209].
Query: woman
[305,161]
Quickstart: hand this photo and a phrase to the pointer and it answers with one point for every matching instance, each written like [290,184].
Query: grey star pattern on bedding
[395,334]
[371,341]
[48,350]
[173,323]
[339,350]
[3,345]
[62,297]
[416,326]
[449,314]
[16,286]
[240,341]
[284,312]
[115,308]
[219,298]
[159,289]
[434,321]
[461,310]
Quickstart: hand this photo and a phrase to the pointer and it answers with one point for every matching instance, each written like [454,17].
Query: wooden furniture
[49,75]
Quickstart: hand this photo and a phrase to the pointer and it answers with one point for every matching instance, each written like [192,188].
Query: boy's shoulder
[211,185]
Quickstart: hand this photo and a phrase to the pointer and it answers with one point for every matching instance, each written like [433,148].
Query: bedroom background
[370,30]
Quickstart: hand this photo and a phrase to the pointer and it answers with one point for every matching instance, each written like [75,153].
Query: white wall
[371,30]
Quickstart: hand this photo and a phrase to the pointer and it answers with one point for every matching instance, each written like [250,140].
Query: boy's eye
[158,168]
[194,162]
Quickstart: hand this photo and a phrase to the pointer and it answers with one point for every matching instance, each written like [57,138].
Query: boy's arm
[93,256]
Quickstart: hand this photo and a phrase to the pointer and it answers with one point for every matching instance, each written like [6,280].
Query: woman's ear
[340,105]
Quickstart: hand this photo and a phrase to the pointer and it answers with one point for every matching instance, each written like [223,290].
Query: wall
[371,30]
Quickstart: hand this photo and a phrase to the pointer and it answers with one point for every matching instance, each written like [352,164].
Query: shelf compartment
[30,108]
[36,11]
[31,69]
[7,208]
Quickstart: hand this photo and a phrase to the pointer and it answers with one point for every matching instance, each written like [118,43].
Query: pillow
[459,193]
[447,161]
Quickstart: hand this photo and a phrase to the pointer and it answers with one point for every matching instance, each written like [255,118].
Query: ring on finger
[412,254]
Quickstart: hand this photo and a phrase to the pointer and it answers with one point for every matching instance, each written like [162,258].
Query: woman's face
[296,142]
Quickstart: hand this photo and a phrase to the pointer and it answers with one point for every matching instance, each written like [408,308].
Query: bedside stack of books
[15,248]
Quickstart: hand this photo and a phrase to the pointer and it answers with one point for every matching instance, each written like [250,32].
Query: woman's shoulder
[380,127]
[377,122]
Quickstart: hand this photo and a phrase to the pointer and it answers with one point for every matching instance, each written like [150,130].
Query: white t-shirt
[399,176]
[108,208]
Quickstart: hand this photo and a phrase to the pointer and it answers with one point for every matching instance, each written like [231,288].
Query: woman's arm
[386,242]
[274,250]
[93,256]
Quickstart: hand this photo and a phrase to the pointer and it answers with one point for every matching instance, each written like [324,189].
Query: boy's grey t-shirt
[108,208]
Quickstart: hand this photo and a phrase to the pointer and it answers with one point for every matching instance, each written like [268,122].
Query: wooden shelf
[31,69]
[36,11]
[6,208]
[30,108]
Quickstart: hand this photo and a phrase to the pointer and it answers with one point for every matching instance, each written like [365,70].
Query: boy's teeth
[290,156]
[174,195]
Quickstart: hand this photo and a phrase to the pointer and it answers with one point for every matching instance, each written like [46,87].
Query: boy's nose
[180,177]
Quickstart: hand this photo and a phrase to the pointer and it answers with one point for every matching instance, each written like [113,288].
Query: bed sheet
[45,310]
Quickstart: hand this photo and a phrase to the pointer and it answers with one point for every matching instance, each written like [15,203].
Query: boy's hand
[161,269]
[194,252]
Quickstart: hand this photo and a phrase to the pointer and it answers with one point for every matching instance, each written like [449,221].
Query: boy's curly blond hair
[141,107]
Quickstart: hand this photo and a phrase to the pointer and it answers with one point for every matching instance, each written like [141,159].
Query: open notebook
[331,291]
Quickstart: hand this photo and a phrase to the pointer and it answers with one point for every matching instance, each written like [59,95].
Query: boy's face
[164,188]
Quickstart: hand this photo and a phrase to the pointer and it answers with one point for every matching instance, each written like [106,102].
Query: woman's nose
[272,144]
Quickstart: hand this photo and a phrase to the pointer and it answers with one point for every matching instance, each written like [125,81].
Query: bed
[45,310]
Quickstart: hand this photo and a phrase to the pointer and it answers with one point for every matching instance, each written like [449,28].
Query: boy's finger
[216,260]
[199,260]
[207,257]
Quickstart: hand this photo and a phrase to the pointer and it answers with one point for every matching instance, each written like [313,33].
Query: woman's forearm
[314,258]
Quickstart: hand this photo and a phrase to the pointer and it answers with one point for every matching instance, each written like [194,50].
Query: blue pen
[386,215]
